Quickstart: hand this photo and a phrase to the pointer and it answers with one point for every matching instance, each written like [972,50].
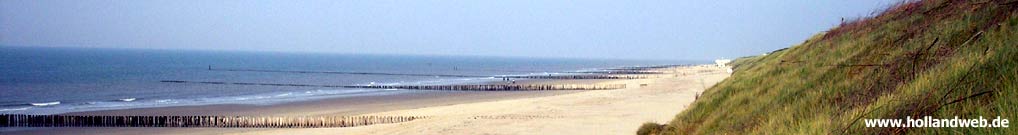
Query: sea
[54,80]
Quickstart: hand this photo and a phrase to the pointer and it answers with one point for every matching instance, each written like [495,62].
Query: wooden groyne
[247,83]
[585,72]
[579,77]
[493,87]
[340,72]
[598,75]
[21,120]
[620,72]
[646,68]
[507,87]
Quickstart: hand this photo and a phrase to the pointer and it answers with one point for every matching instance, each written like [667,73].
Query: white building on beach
[723,63]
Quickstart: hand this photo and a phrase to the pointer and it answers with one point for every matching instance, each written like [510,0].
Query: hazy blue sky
[638,29]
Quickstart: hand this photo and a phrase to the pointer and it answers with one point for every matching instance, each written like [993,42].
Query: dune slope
[939,58]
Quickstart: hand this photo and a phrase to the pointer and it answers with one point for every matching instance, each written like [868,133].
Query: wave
[45,103]
[15,109]
[127,99]
[57,107]
[165,101]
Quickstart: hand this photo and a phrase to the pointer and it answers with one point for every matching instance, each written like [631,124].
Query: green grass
[919,58]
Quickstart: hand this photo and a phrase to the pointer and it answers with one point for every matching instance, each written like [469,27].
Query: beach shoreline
[341,106]
[350,105]
[450,109]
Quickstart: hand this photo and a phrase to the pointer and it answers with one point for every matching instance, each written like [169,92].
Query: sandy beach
[619,111]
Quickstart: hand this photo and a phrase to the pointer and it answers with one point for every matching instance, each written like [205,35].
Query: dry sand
[588,112]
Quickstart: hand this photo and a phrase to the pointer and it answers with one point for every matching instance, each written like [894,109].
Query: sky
[612,29]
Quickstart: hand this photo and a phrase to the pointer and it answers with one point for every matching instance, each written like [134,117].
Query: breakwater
[492,87]
[615,74]
[21,120]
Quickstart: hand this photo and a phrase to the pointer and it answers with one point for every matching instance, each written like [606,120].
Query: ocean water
[38,80]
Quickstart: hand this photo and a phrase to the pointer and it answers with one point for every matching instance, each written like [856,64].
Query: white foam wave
[45,103]
[127,99]
[265,98]
[15,109]
[166,101]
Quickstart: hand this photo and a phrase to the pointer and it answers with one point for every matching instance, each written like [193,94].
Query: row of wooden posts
[601,74]
[494,87]
[504,87]
[21,120]
[342,72]
[648,68]
[622,72]
[580,77]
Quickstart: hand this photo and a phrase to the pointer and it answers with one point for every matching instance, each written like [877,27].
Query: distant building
[722,62]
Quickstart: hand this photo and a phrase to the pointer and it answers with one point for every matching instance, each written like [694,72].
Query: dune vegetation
[939,58]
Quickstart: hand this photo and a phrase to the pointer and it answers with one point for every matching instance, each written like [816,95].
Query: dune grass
[939,58]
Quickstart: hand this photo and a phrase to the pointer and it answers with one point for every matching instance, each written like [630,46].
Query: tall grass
[940,58]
